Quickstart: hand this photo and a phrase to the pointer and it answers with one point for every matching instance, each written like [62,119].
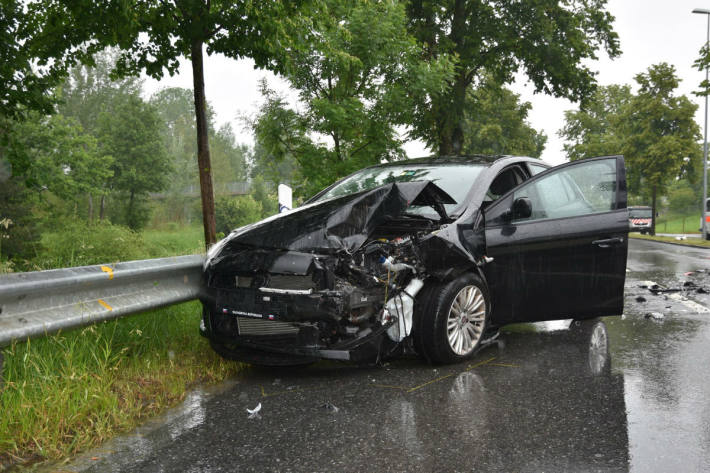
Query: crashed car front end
[334,279]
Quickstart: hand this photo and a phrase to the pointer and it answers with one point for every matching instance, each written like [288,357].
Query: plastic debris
[330,407]
[254,412]
[654,315]
[640,299]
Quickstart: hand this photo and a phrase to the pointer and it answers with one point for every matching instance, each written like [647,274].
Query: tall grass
[70,391]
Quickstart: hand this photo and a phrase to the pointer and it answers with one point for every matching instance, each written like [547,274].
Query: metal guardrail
[43,302]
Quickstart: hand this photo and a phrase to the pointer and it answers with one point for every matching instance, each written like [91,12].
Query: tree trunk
[451,137]
[102,208]
[203,150]
[91,208]
[653,212]
[129,211]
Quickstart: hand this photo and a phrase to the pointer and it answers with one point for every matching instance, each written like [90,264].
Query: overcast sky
[651,31]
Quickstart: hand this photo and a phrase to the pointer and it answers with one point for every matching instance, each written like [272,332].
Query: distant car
[427,254]
[640,219]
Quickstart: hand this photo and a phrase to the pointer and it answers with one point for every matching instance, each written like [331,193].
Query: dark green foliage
[22,87]
[54,153]
[549,40]
[235,212]
[77,243]
[131,133]
[19,231]
[357,79]
[592,130]
[496,123]
[654,129]
[265,194]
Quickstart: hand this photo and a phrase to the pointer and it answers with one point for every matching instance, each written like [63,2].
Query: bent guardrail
[42,302]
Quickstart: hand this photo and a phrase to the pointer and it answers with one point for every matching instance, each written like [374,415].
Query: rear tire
[452,318]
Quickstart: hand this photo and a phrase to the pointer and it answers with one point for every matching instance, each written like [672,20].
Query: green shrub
[234,212]
[79,244]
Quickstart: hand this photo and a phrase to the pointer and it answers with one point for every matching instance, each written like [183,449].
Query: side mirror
[522,208]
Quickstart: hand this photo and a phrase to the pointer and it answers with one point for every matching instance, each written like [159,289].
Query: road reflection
[536,400]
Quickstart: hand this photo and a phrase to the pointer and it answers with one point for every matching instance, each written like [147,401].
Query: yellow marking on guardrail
[103,303]
[109,270]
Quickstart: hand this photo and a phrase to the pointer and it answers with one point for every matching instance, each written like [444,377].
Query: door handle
[608,242]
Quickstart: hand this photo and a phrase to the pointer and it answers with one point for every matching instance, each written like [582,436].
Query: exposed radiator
[249,326]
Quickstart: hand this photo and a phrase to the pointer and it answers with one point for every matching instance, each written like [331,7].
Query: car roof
[486,160]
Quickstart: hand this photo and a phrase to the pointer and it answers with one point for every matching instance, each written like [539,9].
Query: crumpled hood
[342,223]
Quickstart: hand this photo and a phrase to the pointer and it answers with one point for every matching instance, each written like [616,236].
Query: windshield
[455,179]
[640,213]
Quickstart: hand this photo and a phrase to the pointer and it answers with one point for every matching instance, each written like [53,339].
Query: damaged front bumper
[236,318]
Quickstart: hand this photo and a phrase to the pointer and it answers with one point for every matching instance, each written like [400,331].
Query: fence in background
[43,302]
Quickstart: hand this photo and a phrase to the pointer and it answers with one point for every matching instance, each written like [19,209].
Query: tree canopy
[496,123]
[549,40]
[356,79]
[654,129]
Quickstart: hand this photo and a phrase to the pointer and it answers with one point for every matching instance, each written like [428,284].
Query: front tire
[453,319]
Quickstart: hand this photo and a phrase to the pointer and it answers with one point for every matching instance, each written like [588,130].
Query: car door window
[577,190]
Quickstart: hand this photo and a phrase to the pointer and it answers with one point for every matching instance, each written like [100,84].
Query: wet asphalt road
[546,397]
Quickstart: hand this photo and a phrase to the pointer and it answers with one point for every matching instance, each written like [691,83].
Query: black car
[427,254]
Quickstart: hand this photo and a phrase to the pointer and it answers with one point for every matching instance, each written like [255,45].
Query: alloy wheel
[465,321]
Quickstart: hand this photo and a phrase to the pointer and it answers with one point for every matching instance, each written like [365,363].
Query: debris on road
[254,412]
[330,407]
[640,299]
[654,315]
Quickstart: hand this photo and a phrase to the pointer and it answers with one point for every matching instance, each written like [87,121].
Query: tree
[659,131]
[22,85]
[355,80]
[496,123]
[53,153]
[155,34]
[547,39]
[131,133]
[654,129]
[90,90]
[592,130]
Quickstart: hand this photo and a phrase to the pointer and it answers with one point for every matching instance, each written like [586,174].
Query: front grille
[265,327]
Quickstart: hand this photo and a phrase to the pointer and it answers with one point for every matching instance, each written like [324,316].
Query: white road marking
[678,296]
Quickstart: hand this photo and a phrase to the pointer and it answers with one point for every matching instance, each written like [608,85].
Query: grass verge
[679,224]
[71,391]
[699,242]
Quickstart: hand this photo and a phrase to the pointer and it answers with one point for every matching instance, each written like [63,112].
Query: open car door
[558,243]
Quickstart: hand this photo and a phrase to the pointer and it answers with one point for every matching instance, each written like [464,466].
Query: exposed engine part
[401,305]
[396,267]
[485,260]
[362,314]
